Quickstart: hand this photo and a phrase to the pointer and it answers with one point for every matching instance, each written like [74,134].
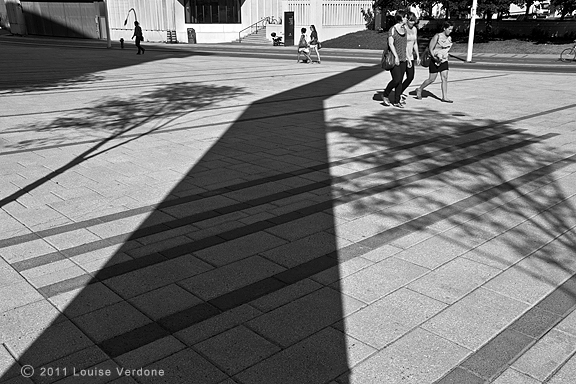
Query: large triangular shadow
[249,223]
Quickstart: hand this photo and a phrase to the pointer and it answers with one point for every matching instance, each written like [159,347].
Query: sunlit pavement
[181,217]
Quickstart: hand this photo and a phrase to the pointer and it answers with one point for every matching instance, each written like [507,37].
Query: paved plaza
[187,217]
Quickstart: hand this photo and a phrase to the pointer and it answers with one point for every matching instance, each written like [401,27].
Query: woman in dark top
[139,37]
[314,41]
[397,42]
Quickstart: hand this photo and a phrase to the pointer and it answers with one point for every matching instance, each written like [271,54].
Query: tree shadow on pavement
[215,282]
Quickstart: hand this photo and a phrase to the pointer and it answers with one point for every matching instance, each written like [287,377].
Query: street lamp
[128,15]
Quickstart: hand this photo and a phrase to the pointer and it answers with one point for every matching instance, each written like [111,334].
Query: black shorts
[433,68]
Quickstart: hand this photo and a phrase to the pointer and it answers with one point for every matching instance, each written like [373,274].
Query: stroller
[276,40]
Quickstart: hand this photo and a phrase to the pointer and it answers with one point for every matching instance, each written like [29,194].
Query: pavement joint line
[121,344]
[163,131]
[248,229]
[313,266]
[474,361]
[236,187]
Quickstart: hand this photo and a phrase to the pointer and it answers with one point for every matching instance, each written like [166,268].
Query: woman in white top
[412,55]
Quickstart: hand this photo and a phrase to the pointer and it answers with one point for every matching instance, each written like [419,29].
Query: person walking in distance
[314,41]
[412,55]
[397,43]
[439,47]
[138,35]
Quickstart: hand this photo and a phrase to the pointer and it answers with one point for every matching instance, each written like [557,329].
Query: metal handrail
[264,21]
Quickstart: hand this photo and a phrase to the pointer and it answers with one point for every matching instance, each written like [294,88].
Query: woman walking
[397,43]
[314,41]
[439,47]
[139,37]
[412,55]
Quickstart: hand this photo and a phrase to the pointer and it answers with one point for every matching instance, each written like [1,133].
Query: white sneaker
[386,101]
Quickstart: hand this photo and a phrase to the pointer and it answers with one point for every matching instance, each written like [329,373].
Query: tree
[566,7]
[524,3]
[491,7]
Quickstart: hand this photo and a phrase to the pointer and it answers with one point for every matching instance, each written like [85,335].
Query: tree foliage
[566,7]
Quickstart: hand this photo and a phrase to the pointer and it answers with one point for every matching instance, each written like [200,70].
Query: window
[212,11]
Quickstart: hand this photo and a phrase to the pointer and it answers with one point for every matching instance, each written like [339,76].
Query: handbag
[426,57]
[388,60]
[319,45]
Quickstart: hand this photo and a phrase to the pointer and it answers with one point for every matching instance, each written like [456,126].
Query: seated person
[304,46]
[276,40]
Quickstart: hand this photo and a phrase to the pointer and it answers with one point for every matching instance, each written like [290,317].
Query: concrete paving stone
[48,279]
[389,318]
[27,250]
[305,226]
[435,251]
[240,248]
[548,354]
[18,380]
[17,295]
[158,247]
[163,235]
[53,266]
[568,324]
[512,376]
[184,367]
[305,249]
[164,301]
[115,227]
[220,219]
[529,280]
[111,321]
[94,261]
[476,318]
[217,324]
[535,323]
[316,359]
[285,295]
[10,227]
[458,376]
[419,357]
[566,374]
[301,318]
[236,349]
[415,237]
[55,342]
[453,280]
[8,275]
[124,380]
[151,277]
[150,353]
[194,207]
[38,200]
[9,368]
[379,280]
[228,278]
[343,269]
[503,251]
[84,300]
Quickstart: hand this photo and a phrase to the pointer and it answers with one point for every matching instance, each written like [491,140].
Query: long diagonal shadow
[238,228]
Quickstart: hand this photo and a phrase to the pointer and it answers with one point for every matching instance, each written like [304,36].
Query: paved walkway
[179,217]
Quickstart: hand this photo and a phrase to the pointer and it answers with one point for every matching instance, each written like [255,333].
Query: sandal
[447,101]
[418,93]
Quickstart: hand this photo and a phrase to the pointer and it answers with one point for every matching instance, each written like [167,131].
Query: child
[304,47]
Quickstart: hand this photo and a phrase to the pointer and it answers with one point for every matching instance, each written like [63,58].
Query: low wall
[512,28]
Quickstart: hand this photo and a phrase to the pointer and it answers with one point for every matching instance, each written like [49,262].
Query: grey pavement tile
[58,369]
[83,300]
[236,349]
[419,357]
[9,368]
[164,301]
[495,356]
[18,380]
[94,261]
[389,318]
[54,264]
[285,295]
[566,374]
[150,353]
[460,376]
[316,359]
[111,321]
[453,280]
[17,295]
[55,342]
[414,237]
[305,226]
[340,271]
[38,218]
[503,251]
[120,225]
[568,324]
[240,248]
[476,318]
[102,372]
[26,250]
[512,376]
[184,367]
[21,324]
[71,239]
[48,279]
[381,253]
[535,323]
[544,357]
[155,276]
[231,277]
[162,245]
[301,318]
[530,280]
[380,279]
[435,251]
[305,249]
